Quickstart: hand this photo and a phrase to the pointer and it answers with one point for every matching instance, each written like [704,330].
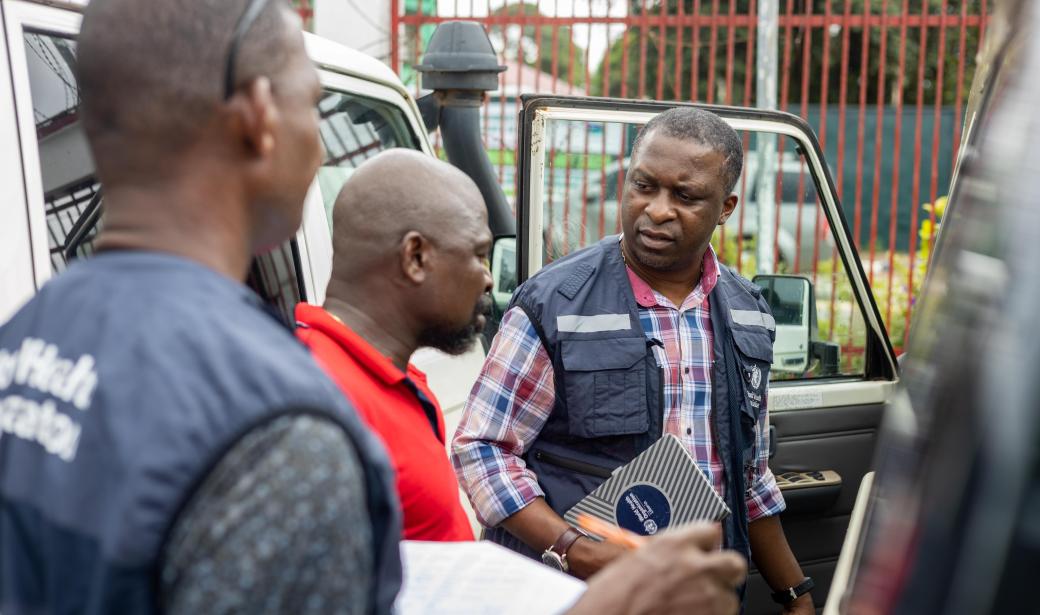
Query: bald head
[410,255]
[397,192]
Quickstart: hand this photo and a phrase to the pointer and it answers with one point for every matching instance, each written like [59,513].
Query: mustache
[483,306]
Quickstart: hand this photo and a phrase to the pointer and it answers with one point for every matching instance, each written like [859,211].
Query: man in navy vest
[637,336]
[165,443]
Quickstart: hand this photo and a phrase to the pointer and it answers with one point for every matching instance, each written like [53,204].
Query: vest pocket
[605,386]
[574,465]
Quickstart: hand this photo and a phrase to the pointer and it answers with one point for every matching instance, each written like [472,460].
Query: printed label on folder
[643,509]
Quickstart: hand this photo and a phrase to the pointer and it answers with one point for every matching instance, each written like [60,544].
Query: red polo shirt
[402,410]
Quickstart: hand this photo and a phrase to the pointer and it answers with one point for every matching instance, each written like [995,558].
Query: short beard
[660,262]
[457,341]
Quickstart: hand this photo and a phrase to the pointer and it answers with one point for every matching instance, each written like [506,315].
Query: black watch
[789,595]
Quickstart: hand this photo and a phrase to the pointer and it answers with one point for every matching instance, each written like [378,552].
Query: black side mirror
[828,356]
[503,283]
[503,271]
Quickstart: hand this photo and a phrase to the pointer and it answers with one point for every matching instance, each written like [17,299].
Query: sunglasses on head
[245,22]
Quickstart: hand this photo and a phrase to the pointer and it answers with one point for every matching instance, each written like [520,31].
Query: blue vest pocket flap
[755,344]
[597,355]
[605,386]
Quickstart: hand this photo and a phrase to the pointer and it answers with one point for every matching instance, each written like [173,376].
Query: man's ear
[416,255]
[257,116]
[727,208]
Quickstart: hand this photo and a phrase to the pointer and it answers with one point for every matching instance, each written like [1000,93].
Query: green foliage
[535,45]
[677,64]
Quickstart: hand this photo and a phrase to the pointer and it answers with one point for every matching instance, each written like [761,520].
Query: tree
[644,44]
[534,45]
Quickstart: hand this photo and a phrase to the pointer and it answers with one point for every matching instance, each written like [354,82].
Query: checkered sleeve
[763,496]
[507,408]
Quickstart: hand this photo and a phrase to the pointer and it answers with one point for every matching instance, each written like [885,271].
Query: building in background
[361,24]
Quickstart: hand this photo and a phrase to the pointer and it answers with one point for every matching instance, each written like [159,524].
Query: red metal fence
[305,9]
[883,82]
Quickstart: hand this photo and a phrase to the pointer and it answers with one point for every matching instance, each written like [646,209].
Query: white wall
[361,24]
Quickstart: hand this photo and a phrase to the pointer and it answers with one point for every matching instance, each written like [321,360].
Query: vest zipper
[660,404]
[650,343]
[714,417]
[573,464]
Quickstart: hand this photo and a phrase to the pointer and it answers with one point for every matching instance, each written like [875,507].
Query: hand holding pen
[677,571]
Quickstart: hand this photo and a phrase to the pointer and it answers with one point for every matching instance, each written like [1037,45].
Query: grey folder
[662,487]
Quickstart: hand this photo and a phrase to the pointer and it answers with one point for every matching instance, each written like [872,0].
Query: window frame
[314,236]
[16,251]
[537,110]
[19,18]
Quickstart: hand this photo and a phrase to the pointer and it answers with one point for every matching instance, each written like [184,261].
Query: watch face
[552,560]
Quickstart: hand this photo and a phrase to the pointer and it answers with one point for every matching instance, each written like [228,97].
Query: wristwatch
[556,555]
[789,595]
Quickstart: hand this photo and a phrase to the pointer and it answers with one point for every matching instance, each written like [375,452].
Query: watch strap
[565,541]
[789,595]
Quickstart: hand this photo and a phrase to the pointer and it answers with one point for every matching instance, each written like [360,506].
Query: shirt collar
[646,296]
[317,318]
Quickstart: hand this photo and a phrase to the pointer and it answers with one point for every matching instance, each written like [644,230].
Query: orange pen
[610,532]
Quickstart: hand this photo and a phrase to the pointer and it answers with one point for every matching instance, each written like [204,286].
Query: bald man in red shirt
[409,270]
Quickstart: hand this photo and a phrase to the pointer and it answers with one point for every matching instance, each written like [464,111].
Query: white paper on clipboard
[477,578]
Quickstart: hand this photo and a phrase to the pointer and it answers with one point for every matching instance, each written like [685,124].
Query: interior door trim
[810,394]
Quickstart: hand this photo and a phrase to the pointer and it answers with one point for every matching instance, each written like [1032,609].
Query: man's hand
[539,526]
[676,572]
[587,556]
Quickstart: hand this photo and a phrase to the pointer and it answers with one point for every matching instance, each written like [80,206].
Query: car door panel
[840,439]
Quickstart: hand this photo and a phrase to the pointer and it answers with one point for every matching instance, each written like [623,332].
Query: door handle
[811,492]
[807,480]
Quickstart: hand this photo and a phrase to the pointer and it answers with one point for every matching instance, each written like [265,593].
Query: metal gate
[883,82]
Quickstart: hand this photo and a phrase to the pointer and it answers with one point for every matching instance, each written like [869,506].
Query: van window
[69,185]
[353,129]
[72,197]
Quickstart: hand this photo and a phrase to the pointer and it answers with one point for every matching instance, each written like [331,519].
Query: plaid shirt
[514,394]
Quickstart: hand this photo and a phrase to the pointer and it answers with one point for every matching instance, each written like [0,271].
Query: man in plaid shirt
[573,388]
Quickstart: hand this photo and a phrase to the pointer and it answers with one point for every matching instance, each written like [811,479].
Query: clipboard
[662,487]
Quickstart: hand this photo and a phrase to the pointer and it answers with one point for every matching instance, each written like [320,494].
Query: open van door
[826,404]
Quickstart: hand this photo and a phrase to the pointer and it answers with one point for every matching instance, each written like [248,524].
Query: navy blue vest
[609,396]
[121,384]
